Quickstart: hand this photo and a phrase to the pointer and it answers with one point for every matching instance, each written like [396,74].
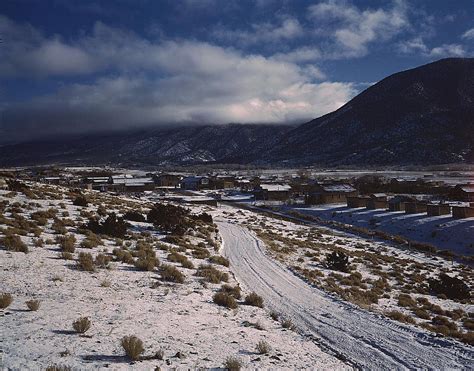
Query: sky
[80,66]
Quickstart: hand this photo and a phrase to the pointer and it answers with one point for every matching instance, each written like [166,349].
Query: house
[397,203]
[462,212]
[272,192]
[329,193]
[194,183]
[130,184]
[415,207]
[168,180]
[463,192]
[222,182]
[437,209]
[97,183]
[357,201]
[377,201]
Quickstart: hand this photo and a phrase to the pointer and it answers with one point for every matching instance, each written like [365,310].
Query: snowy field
[443,232]
[178,320]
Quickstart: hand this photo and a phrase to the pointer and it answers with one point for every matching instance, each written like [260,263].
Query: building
[357,201]
[194,183]
[130,184]
[463,193]
[437,209]
[377,201]
[168,180]
[329,193]
[397,203]
[415,207]
[272,192]
[462,212]
[222,182]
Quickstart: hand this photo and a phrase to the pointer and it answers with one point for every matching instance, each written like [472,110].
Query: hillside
[420,116]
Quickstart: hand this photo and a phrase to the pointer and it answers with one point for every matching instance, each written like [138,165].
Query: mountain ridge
[421,116]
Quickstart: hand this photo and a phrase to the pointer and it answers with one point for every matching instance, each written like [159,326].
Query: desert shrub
[452,287]
[400,317]
[232,364]
[81,325]
[80,201]
[421,313]
[171,274]
[225,300]
[66,243]
[170,218]
[85,262]
[443,321]
[254,300]
[146,262]
[39,242]
[33,305]
[405,300]
[124,256]
[102,260]
[91,241]
[217,259]
[58,227]
[233,291]
[205,217]
[105,283]
[132,346]
[101,210]
[5,300]
[180,258]
[66,255]
[288,324]
[57,367]
[211,274]
[14,243]
[200,253]
[274,316]
[134,216]
[337,260]
[112,226]
[263,347]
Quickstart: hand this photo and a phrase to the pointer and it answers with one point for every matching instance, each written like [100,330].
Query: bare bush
[13,242]
[254,300]
[5,300]
[133,347]
[224,300]
[217,259]
[211,274]
[171,274]
[85,262]
[233,364]
[337,260]
[233,291]
[263,347]
[81,325]
[33,305]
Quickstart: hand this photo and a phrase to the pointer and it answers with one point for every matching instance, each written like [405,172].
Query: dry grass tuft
[81,325]
[133,347]
[254,300]
[33,305]
[5,300]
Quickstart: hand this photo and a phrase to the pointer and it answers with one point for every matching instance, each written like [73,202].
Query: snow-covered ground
[443,231]
[180,319]
[365,339]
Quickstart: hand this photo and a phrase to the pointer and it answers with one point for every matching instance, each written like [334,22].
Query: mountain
[421,116]
[232,143]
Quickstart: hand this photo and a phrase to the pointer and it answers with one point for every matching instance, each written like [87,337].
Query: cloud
[418,46]
[156,83]
[289,28]
[469,34]
[352,29]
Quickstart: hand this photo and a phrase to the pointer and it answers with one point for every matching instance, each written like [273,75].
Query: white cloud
[469,34]
[353,29]
[448,50]
[418,46]
[289,28]
[146,83]
[302,54]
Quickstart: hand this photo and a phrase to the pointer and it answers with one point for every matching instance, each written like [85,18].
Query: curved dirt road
[364,339]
